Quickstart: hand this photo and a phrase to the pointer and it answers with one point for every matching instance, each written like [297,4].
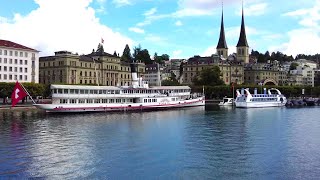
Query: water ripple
[191,143]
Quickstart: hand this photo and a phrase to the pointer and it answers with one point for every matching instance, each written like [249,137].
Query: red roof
[9,44]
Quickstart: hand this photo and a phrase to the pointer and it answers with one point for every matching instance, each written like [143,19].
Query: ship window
[111,100]
[82,101]
[59,91]
[63,101]
[71,91]
[65,91]
[76,91]
[86,91]
[81,91]
[73,101]
[89,100]
[97,101]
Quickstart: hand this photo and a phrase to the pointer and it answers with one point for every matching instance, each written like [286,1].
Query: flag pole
[27,93]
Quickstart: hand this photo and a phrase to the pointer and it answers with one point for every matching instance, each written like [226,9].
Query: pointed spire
[222,39]
[243,38]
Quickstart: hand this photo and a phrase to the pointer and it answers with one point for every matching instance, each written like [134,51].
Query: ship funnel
[134,75]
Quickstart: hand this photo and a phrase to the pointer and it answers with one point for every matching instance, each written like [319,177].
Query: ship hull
[119,107]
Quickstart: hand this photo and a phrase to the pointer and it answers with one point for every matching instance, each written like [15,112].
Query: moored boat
[268,99]
[138,96]
[226,102]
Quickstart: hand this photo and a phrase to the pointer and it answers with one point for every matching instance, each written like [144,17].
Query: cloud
[136,30]
[48,31]
[304,39]
[178,23]
[150,12]
[154,38]
[101,8]
[203,4]
[254,9]
[121,3]
[176,54]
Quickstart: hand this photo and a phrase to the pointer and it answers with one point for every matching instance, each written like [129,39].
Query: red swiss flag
[17,94]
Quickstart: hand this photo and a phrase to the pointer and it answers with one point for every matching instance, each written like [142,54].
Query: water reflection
[193,143]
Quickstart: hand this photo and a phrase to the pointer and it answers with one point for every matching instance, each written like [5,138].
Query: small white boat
[268,99]
[226,102]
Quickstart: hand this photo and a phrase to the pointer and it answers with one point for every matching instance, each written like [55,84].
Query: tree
[100,49]
[142,55]
[161,59]
[209,77]
[172,81]
[126,55]
[293,66]
[115,53]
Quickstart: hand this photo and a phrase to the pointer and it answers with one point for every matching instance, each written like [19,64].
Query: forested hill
[264,57]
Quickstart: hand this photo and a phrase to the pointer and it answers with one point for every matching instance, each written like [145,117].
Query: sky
[179,28]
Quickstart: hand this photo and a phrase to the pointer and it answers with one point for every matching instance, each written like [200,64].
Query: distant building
[95,68]
[317,77]
[18,63]
[306,73]
[271,73]
[231,69]
[153,74]
[304,62]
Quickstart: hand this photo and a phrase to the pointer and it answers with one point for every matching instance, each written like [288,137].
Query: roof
[10,44]
[243,38]
[222,39]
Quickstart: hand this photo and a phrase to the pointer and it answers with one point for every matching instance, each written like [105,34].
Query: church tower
[222,48]
[242,46]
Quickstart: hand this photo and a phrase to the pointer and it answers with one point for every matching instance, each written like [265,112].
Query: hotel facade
[18,63]
[95,68]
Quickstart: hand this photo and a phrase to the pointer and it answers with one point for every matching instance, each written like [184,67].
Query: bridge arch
[269,82]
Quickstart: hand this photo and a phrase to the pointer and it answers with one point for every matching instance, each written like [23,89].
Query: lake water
[192,143]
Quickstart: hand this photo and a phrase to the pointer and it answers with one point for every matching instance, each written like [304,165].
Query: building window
[25,70]
[16,61]
[5,52]
[25,54]
[10,61]
[10,53]
[25,62]
[16,53]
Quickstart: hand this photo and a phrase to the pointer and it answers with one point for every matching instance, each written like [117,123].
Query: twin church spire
[242,45]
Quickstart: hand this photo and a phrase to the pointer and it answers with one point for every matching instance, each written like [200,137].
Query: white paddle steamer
[138,96]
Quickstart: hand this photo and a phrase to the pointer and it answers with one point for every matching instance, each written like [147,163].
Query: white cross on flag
[17,94]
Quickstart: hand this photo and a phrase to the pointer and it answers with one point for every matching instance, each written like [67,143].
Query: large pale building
[153,74]
[95,68]
[18,63]
[231,69]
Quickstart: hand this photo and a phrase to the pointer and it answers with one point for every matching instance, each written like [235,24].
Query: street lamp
[260,84]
